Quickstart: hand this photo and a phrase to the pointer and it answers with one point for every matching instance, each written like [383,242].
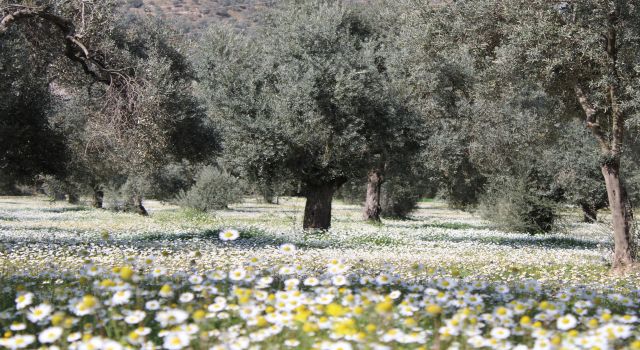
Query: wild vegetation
[261,180]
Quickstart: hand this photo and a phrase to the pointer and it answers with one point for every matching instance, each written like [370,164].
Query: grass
[453,225]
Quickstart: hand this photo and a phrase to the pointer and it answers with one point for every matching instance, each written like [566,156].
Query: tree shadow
[522,242]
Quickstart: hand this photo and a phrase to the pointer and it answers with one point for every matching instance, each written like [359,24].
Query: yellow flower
[345,327]
[410,322]
[302,315]
[199,315]
[384,307]
[335,310]
[502,311]
[89,301]
[262,321]
[433,309]
[57,319]
[309,327]
[126,272]
[525,320]
[107,283]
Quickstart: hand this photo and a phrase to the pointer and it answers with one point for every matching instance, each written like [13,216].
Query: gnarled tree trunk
[622,216]
[590,212]
[317,209]
[136,205]
[98,198]
[372,207]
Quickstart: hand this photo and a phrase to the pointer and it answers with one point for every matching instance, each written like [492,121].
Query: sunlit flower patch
[237,306]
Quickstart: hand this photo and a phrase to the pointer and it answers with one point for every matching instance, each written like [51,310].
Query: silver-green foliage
[305,97]
[213,189]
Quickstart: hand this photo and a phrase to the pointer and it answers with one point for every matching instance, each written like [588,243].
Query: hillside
[194,15]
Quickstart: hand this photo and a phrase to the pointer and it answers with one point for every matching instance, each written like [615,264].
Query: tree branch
[75,49]
[591,119]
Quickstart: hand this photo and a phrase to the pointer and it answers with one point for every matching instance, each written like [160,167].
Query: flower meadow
[75,278]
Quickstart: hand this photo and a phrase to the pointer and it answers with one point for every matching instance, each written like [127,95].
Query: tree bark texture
[622,216]
[372,207]
[317,210]
[137,207]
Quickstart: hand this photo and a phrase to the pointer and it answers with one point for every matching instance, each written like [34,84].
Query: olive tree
[585,54]
[582,54]
[304,99]
[136,84]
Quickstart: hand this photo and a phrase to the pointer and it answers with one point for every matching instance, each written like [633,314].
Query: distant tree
[574,161]
[440,77]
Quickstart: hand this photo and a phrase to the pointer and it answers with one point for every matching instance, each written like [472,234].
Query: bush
[213,189]
[52,187]
[174,177]
[136,3]
[399,197]
[519,204]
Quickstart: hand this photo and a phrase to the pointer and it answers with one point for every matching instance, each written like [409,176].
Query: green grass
[453,225]
[375,241]
[426,200]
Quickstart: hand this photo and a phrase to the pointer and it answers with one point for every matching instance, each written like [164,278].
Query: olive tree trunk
[622,216]
[317,209]
[611,145]
[590,212]
[98,198]
[73,198]
[372,207]
[136,205]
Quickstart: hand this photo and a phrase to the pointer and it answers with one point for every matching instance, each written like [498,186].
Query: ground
[35,231]
[248,277]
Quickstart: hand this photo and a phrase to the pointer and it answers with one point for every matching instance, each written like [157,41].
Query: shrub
[399,197]
[174,177]
[519,204]
[136,3]
[213,189]
[54,188]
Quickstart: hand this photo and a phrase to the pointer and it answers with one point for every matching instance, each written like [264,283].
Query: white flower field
[247,278]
